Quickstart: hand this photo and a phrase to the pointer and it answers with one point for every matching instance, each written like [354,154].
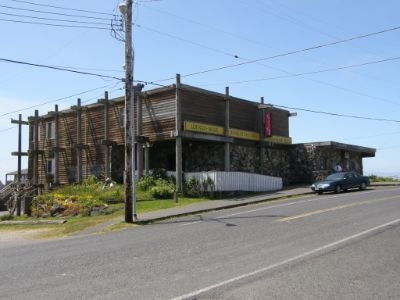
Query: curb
[145,221]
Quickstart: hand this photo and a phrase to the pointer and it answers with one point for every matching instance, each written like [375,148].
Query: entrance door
[117,163]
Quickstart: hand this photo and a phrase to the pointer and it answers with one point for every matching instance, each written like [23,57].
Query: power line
[75,95]
[319,71]
[56,100]
[7,129]
[52,13]
[289,74]
[213,28]
[54,25]
[53,19]
[337,114]
[185,40]
[63,8]
[58,68]
[288,53]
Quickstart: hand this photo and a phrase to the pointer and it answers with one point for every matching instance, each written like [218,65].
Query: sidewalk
[220,204]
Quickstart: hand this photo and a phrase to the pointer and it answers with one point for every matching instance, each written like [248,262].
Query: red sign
[267,124]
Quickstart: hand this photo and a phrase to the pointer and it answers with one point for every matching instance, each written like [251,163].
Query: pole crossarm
[19,153]
[19,122]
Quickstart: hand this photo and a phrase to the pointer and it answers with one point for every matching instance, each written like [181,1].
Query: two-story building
[180,128]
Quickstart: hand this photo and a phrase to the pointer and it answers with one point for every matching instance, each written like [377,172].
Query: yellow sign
[204,128]
[279,139]
[244,134]
[235,133]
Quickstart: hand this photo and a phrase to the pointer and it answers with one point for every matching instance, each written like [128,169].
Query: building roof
[23,172]
[365,151]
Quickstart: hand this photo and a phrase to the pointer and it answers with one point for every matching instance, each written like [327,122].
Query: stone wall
[310,163]
[198,156]
[295,164]
[203,156]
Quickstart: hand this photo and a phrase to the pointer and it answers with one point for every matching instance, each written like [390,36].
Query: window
[122,117]
[50,130]
[50,166]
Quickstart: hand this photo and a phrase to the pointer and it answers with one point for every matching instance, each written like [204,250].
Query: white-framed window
[50,130]
[122,116]
[50,166]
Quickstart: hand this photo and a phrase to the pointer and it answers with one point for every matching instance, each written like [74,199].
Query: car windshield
[335,176]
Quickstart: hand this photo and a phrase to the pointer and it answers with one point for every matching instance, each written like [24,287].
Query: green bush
[374,178]
[193,187]
[82,199]
[146,182]
[162,189]
[7,218]
[197,188]
[160,174]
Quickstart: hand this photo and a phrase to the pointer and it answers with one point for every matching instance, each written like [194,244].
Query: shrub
[91,180]
[192,187]
[7,218]
[160,174]
[162,189]
[374,178]
[114,194]
[82,199]
[146,182]
[197,188]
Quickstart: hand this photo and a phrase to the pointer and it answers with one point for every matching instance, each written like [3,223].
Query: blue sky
[356,77]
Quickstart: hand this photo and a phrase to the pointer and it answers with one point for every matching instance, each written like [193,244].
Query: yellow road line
[321,211]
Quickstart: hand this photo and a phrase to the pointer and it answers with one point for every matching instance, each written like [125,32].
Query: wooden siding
[279,122]
[92,146]
[208,107]
[244,115]
[158,116]
[203,108]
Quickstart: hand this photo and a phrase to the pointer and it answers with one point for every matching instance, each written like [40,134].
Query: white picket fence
[237,181]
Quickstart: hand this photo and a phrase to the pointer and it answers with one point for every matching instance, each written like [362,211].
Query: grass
[77,224]
[374,178]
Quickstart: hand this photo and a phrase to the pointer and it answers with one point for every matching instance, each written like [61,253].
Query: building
[180,128]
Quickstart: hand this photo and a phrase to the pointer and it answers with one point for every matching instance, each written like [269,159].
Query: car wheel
[338,188]
[363,186]
[319,193]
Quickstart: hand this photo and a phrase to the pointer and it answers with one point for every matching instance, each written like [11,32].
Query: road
[331,246]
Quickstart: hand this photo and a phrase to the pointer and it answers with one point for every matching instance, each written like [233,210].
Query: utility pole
[129,172]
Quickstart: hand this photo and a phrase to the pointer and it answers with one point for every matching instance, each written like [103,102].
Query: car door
[349,181]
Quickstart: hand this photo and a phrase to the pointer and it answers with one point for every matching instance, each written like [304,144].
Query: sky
[335,63]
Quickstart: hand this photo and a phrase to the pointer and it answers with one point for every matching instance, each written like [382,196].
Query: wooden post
[78,142]
[261,117]
[36,149]
[227,156]
[57,144]
[146,159]
[139,129]
[178,137]
[19,154]
[106,138]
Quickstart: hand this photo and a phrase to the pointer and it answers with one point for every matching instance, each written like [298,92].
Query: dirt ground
[20,235]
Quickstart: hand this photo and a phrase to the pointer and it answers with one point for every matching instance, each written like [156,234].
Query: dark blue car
[341,181]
